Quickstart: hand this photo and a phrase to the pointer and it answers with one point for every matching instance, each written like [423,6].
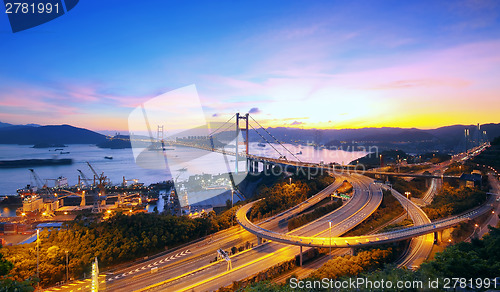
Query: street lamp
[232,215]
[37,254]
[67,268]
[407,203]
[290,180]
[330,224]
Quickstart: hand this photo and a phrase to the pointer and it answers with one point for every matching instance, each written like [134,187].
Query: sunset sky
[309,64]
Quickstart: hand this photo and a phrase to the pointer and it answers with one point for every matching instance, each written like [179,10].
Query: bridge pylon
[238,129]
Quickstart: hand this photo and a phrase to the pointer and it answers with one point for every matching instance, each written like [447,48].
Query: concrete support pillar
[237,143]
[300,257]
[259,240]
[256,166]
[438,235]
[353,251]
[249,165]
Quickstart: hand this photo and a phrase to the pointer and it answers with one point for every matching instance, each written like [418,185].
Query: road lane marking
[151,265]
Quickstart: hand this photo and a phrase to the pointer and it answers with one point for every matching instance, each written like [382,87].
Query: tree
[5,265]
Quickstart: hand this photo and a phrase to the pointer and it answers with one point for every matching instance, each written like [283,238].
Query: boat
[33,162]
[108,157]
[261,145]
[63,152]
[299,153]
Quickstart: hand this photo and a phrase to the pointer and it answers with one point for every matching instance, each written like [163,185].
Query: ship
[261,145]
[34,162]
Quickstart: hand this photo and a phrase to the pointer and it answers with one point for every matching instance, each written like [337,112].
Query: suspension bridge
[287,160]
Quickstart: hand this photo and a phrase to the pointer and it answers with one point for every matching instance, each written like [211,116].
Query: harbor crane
[101,185]
[84,178]
[69,193]
[102,179]
[38,181]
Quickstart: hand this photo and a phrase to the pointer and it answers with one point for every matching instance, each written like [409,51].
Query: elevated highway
[421,246]
[211,277]
[358,241]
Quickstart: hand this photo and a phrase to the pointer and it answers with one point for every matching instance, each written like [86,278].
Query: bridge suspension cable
[275,139]
[266,140]
[211,134]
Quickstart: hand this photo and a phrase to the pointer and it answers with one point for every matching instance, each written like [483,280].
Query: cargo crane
[42,187]
[82,203]
[38,181]
[83,177]
[102,179]
[101,185]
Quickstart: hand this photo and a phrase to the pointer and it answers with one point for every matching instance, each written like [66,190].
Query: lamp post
[330,224]
[37,254]
[407,203]
[290,180]
[232,215]
[67,268]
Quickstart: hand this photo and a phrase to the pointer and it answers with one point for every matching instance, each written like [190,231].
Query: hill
[403,135]
[444,139]
[59,134]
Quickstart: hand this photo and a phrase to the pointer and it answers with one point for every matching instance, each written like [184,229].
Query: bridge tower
[238,129]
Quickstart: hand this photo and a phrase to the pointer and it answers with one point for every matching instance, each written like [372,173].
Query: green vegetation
[284,195]
[121,238]
[389,208]
[254,280]
[490,156]
[317,213]
[353,265]
[477,259]
[416,186]
[407,168]
[435,157]
[407,222]
[345,188]
[7,283]
[457,168]
[388,156]
[451,201]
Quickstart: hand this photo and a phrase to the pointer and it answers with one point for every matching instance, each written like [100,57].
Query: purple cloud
[296,123]
[254,110]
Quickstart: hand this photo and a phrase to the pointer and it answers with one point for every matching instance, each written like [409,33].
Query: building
[471,180]
[32,204]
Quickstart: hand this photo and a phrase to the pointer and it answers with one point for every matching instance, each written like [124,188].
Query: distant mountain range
[57,134]
[444,139]
[2,125]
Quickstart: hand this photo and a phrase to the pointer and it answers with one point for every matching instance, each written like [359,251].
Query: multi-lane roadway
[208,278]
[421,246]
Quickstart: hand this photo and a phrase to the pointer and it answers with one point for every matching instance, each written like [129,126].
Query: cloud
[254,110]
[296,123]
[424,83]
[215,115]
